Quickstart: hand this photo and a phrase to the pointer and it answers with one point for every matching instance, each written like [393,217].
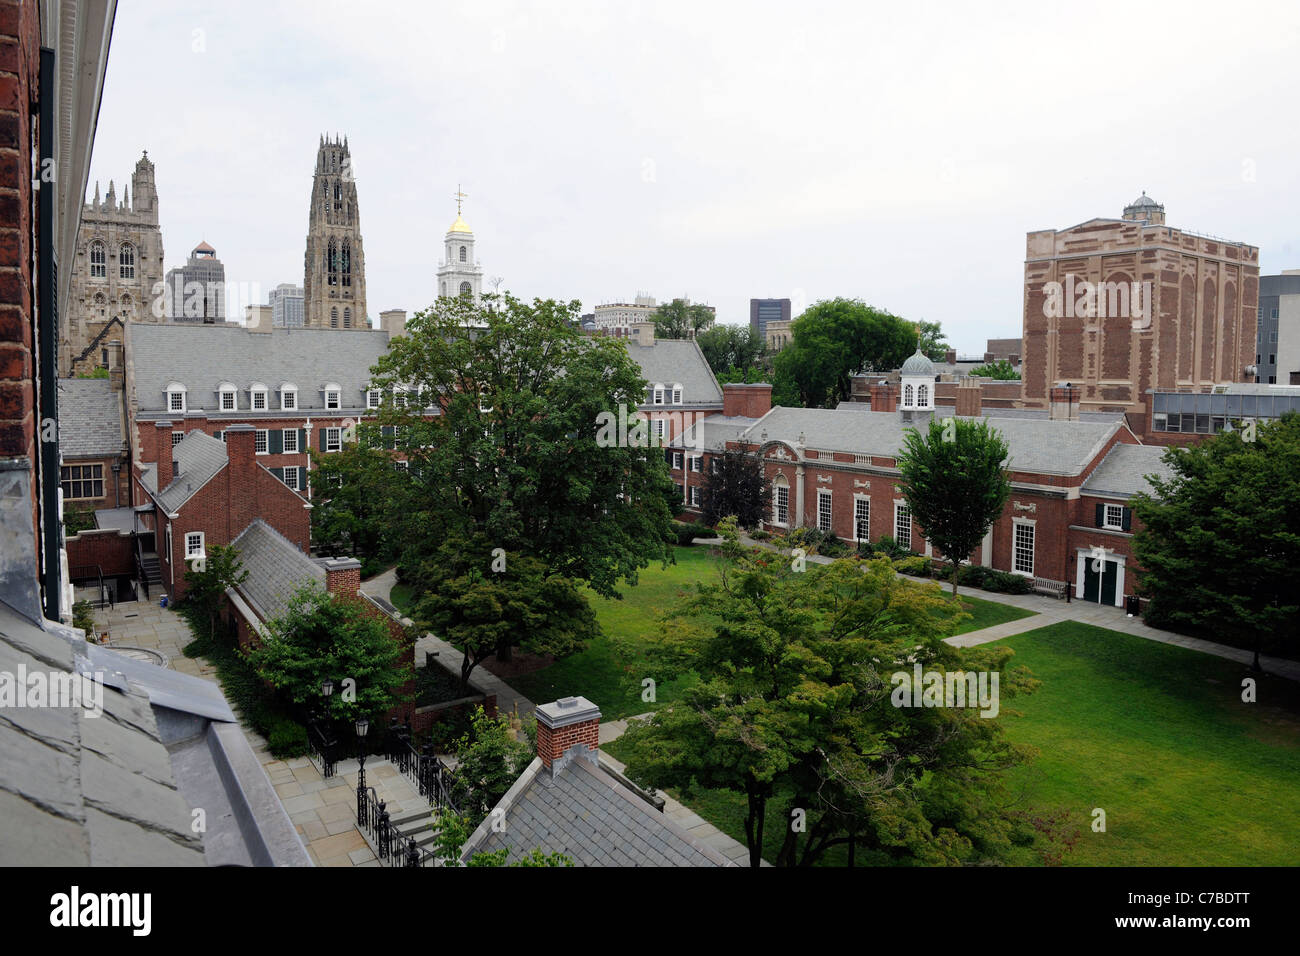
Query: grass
[400,597]
[987,613]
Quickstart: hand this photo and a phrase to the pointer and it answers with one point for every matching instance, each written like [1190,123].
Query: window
[1272,358]
[177,438]
[126,261]
[861,518]
[1272,380]
[465,289]
[824,511]
[347,315]
[227,400]
[82,481]
[695,495]
[333,398]
[923,396]
[697,464]
[1272,336]
[98,261]
[101,305]
[1023,548]
[333,439]
[193,545]
[907,396]
[677,394]
[1274,315]
[259,441]
[715,465]
[257,395]
[335,481]
[334,317]
[659,395]
[660,429]
[220,436]
[288,397]
[176,399]
[903,524]
[291,476]
[374,398]
[291,441]
[1114,516]
[677,461]
[781,502]
[462,254]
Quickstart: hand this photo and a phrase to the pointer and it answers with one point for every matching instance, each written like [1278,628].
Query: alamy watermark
[1080,298]
[923,688]
[38,689]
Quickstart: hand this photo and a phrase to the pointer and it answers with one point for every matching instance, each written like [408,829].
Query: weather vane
[460,196]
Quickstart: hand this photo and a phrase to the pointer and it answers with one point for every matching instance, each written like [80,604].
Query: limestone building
[285,301]
[196,292]
[1122,306]
[460,273]
[334,280]
[117,272]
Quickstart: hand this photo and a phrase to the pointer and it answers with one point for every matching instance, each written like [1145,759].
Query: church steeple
[460,273]
[334,281]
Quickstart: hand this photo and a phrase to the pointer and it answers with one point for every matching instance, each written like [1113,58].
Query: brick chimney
[883,397]
[241,477]
[566,729]
[950,357]
[163,440]
[751,401]
[1064,402]
[969,399]
[343,576]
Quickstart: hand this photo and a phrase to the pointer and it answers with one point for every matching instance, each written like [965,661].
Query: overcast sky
[895,152]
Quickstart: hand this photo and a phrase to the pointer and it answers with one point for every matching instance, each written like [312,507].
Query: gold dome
[460,226]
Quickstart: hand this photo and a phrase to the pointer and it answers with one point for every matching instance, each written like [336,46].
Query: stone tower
[117,274]
[459,272]
[334,273]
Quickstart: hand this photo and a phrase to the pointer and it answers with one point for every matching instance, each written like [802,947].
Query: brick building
[95,473]
[1121,306]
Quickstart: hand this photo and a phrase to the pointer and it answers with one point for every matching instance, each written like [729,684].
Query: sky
[893,152]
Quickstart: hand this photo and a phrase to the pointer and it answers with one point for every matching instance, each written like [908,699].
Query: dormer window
[257,398]
[288,397]
[175,397]
[333,396]
[677,393]
[374,398]
[226,393]
[658,395]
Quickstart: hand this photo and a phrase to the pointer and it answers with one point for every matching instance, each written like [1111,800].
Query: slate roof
[201,456]
[1122,473]
[276,568]
[78,790]
[590,817]
[90,418]
[670,361]
[712,433]
[201,357]
[1041,446]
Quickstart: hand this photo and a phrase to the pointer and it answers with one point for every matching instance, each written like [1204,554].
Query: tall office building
[196,292]
[285,301]
[1277,345]
[763,311]
[334,265]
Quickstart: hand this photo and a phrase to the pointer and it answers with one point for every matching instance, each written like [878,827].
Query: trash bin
[162,601]
[1133,605]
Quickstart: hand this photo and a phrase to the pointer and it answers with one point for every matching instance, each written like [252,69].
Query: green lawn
[400,597]
[987,613]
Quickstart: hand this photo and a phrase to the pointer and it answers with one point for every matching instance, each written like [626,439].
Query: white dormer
[175,397]
[288,397]
[257,397]
[227,397]
[677,393]
[333,395]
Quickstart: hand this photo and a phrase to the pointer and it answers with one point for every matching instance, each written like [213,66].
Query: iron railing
[373,818]
[324,747]
[421,766]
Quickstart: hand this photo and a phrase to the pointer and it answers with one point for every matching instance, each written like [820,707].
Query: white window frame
[333,398]
[292,484]
[657,397]
[697,464]
[660,428]
[715,465]
[333,440]
[258,398]
[190,551]
[903,511]
[861,500]
[261,436]
[825,497]
[1118,523]
[177,438]
[677,393]
[284,441]
[695,496]
[678,459]
[98,266]
[287,403]
[229,393]
[1016,525]
[374,398]
[175,392]
[778,506]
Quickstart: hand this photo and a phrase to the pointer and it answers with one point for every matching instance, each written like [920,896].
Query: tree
[955,483]
[792,705]
[489,761]
[486,601]
[934,344]
[736,486]
[452,831]
[322,636]
[207,580]
[731,350]
[832,341]
[1001,370]
[1219,540]
[679,319]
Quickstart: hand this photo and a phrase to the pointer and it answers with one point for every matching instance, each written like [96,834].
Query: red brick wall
[751,401]
[111,550]
[552,744]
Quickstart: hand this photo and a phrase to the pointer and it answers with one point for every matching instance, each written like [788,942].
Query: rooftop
[90,418]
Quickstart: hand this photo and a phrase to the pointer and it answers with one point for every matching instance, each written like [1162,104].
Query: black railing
[93,572]
[324,747]
[411,854]
[422,767]
[372,817]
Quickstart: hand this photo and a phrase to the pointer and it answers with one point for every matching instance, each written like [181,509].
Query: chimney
[950,357]
[1064,403]
[566,729]
[393,322]
[116,367]
[1014,359]
[989,358]
[163,439]
[343,576]
[969,404]
[751,401]
[257,318]
[883,397]
[241,477]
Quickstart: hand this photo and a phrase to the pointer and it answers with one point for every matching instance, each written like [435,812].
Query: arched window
[464,288]
[334,317]
[780,501]
[338,193]
[347,318]
[126,261]
[907,396]
[444,289]
[101,306]
[98,261]
[128,307]
[462,253]
[923,396]
[347,262]
[332,262]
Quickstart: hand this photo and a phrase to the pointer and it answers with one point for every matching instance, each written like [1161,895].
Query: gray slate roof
[670,361]
[1122,473]
[276,568]
[712,433]
[201,456]
[90,418]
[1045,447]
[590,817]
[85,791]
[201,357]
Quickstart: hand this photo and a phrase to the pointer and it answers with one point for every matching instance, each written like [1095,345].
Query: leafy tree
[681,320]
[955,483]
[452,831]
[1001,370]
[832,341]
[793,705]
[1220,539]
[324,636]
[208,579]
[487,601]
[934,344]
[735,486]
[490,761]
[77,520]
[731,350]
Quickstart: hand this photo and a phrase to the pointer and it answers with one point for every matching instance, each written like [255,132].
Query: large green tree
[934,344]
[208,578]
[735,486]
[955,481]
[732,351]
[1219,539]
[680,319]
[1001,370]
[832,341]
[793,705]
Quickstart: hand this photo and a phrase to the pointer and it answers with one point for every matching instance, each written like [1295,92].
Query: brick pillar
[567,728]
[163,439]
[883,398]
[969,400]
[343,576]
[1064,403]
[242,477]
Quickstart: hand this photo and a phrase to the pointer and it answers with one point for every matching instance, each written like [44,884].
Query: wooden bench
[1047,586]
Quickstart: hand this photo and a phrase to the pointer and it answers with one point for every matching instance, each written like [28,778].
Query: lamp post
[362,728]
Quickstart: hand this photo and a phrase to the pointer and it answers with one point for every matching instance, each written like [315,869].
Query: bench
[1049,587]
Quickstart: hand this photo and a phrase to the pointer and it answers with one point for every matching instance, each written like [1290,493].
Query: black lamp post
[362,728]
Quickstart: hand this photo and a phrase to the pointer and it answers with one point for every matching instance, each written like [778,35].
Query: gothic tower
[334,283]
[460,272]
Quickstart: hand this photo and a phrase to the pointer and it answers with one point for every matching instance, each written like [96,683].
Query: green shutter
[302,440]
[275,441]
[1101,516]
[1127,520]
[389,441]
[278,472]
[322,439]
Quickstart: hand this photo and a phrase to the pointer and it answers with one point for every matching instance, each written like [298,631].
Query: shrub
[833,547]
[686,532]
[890,548]
[759,535]
[83,616]
[916,565]
[865,550]
[287,738]
[806,538]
